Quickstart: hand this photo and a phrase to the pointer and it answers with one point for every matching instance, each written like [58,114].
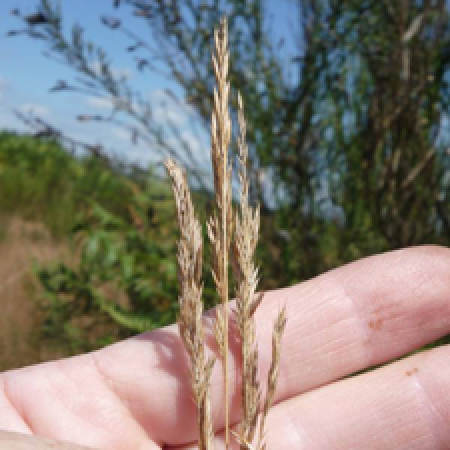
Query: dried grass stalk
[190,249]
[220,224]
[246,275]
[278,330]
[220,227]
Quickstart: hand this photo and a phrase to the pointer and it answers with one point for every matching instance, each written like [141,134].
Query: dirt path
[19,313]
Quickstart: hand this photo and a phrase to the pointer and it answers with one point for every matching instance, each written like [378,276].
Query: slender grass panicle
[190,249]
[221,227]
[220,224]
[246,275]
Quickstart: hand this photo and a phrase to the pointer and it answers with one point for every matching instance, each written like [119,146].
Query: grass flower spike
[246,275]
[190,249]
[221,227]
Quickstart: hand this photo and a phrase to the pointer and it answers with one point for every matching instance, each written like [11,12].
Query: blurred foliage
[40,180]
[354,146]
[123,277]
[384,94]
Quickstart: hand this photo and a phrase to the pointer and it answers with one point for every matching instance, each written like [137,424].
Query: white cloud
[167,108]
[121,134]
[199,147]
[107,103]
[99,103]
[141,156]
[34,109]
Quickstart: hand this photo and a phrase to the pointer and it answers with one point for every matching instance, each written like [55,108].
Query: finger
[343,321]
[71,400]
[10,418]
[404,405]
[18,441]
[360,315]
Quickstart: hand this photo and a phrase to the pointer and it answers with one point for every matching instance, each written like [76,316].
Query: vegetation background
[348,139]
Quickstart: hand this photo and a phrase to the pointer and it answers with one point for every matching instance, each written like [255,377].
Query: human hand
[136,395]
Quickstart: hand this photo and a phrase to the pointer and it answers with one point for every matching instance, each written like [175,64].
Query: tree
[386,95]
[354,146]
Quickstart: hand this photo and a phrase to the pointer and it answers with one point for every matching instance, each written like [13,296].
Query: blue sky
[26,75]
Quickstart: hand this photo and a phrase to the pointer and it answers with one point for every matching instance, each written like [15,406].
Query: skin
[134,395]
